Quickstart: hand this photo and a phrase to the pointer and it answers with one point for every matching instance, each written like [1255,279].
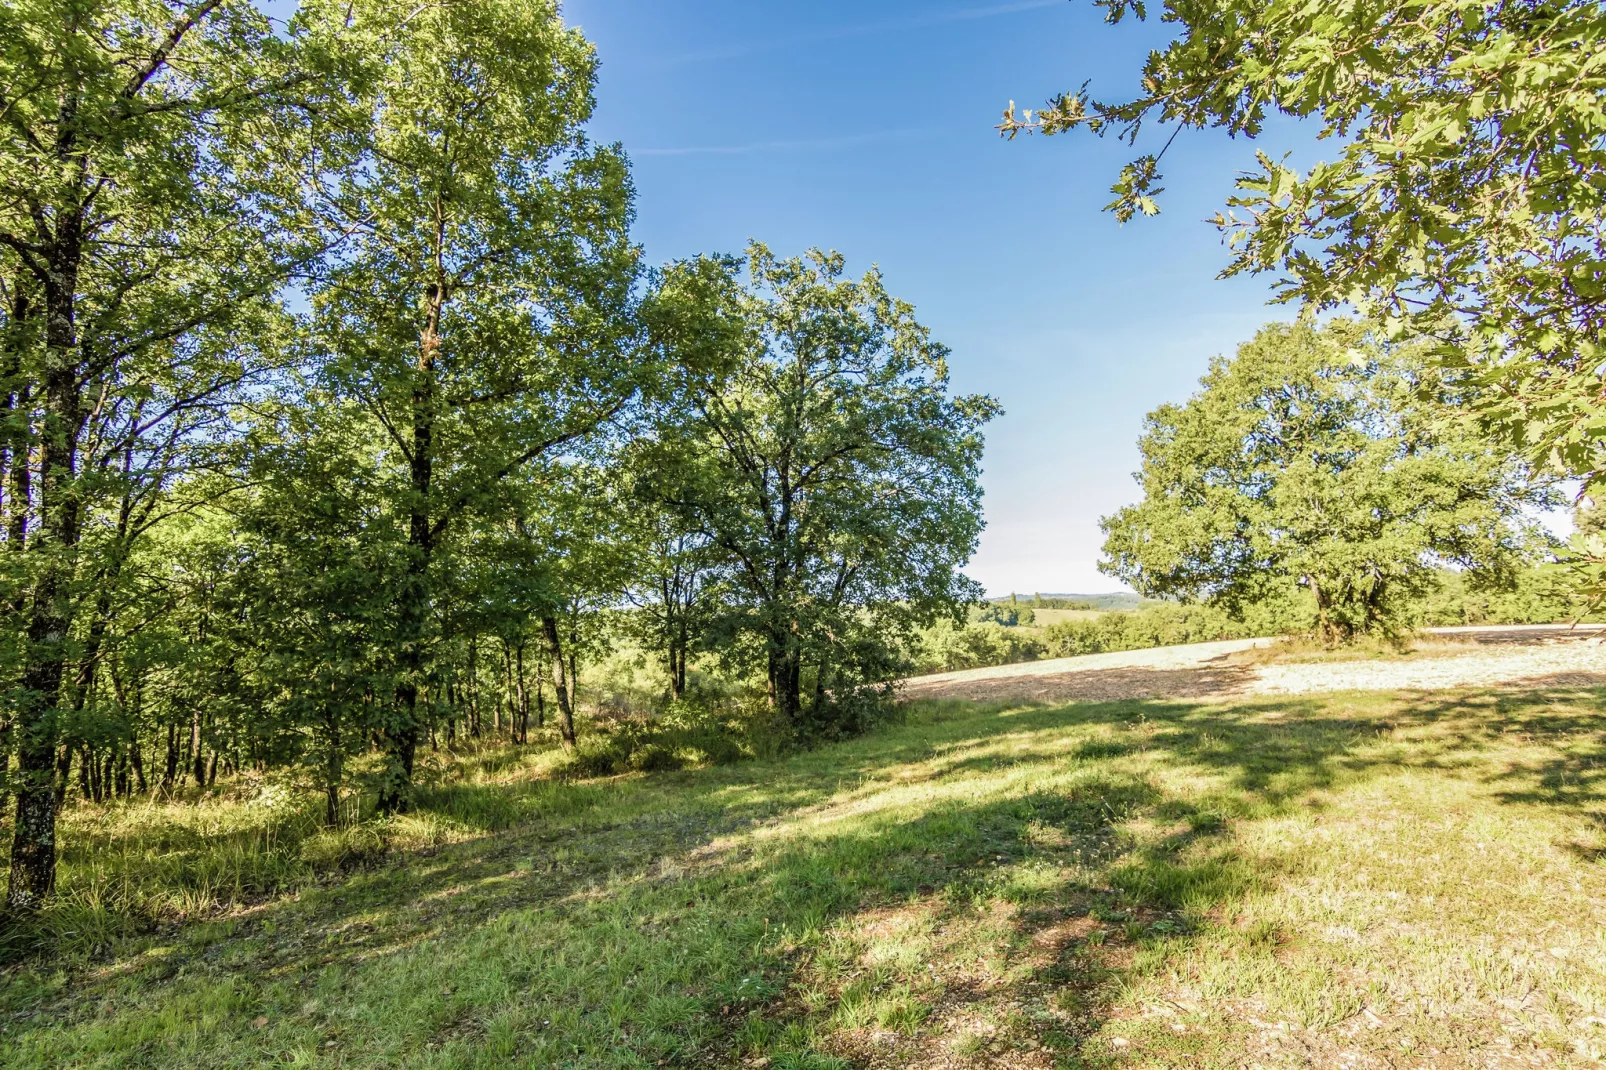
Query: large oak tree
[1324,459]
[824,461]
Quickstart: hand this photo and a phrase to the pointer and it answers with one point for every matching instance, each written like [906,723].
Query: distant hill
[1108,600]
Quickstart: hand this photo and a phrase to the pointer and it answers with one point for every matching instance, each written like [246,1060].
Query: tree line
[342,416]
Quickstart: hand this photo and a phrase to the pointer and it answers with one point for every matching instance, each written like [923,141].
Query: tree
[823,460]
[1326,459]
[141,211]
[317,589]
[678,571]
[1467,202]
[482,310]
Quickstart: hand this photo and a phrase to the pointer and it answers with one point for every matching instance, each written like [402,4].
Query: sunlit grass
[1331,879]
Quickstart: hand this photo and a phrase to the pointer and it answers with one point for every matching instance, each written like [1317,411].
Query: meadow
[1360,879]
[1048,617]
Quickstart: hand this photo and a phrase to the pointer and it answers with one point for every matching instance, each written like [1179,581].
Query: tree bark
[785,681]
[540,702]
[197,749]
[333,765]
[33,846]
[137,760]
[396,784]
[170,768]
[560,686]
[524,697]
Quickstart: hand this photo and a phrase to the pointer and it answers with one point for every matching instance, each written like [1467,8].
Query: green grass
[1333,880]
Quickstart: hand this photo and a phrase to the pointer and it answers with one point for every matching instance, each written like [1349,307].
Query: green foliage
[1008,614]
[341,430]
[1168,624]
[946,646]
[1327,459]
[1544,595]
[834,479]
[151,211]
[1462,201]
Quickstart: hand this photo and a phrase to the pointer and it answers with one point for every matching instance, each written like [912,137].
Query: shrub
[948,648]
[653,758]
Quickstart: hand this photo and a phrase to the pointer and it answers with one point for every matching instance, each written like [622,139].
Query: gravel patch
[1518,657]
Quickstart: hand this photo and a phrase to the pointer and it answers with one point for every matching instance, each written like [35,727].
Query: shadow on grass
[697,918]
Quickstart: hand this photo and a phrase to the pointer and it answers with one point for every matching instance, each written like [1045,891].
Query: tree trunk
[170,769]
[17,495]
[677,668]
[5,765]
[64,755]
[680,669]
[333,764]
[33,846]
[560,686]
[506,695]
[454,700]
[396,784]
[197,749]
[540,702]
[785,681]
[523,697]
[574,677]
[474,687]
[137,760]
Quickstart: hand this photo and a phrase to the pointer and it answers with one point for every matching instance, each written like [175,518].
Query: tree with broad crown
[1327,459]
[822,458]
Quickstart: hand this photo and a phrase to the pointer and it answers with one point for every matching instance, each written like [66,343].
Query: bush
[653,758]
[1544,595]
[947,648]
[594,756]
[702,729]
[1164,625]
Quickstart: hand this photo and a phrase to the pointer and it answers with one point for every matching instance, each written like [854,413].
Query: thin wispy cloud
[784,145]
[869,29]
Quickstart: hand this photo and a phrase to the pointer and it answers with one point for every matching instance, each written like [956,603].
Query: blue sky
[867,128]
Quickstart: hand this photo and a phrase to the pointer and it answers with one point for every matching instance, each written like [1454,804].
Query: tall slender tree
[135,164]
[482,312]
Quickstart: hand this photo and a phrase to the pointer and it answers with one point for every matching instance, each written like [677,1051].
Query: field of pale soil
[1506,656]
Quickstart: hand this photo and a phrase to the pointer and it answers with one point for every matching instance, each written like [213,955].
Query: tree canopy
[340,420]
[1327,459]
[1464,199]
[830,473]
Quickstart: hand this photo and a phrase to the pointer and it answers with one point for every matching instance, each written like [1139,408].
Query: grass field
[1044,618]
[1350,880]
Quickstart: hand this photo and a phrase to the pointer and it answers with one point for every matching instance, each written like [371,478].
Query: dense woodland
[344,420]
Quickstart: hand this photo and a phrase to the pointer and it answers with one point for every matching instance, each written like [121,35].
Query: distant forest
[1108,601]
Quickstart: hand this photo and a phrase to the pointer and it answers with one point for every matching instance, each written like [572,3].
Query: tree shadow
[722,913]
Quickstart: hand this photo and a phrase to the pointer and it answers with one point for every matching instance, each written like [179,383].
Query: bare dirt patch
[1521,657]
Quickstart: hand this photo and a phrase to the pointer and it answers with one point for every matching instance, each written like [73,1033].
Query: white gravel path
[1527,656]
